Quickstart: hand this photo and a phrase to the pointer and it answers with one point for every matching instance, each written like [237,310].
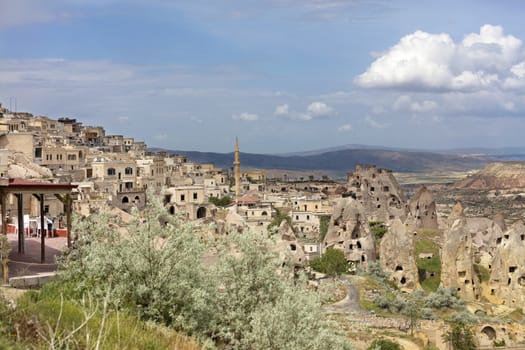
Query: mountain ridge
[342,161]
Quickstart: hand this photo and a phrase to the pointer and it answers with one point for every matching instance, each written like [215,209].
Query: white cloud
[314,110]
[374,123]
[425,61]
[319,109]
[249,117]
[281,110]
[405,103]
[345,127]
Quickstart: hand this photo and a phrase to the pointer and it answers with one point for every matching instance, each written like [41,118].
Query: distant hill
[498,175]
[342,161]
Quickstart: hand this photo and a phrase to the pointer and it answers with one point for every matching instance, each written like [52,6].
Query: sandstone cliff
[499,175]
[349,231]
[397,256]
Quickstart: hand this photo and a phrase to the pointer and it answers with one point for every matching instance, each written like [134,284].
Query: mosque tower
[237,170]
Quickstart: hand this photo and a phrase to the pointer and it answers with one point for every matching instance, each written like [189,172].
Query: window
[71,157]
[182,198]
[194,195]
[111,171]
[129,185]
[128,171]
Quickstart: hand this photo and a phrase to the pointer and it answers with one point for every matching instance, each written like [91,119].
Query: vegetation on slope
[155,272]
[429,269]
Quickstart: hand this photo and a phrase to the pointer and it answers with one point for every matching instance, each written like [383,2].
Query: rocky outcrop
[349,231]
[422,210]
[379,193]
[397,256]
[21,166]
[498,175]
[287,246]
[457,257]
[507,278]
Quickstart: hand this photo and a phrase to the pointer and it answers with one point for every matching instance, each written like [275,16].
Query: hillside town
[481,259]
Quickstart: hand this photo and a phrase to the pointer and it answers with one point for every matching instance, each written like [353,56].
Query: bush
[384,344]
[332,262]
[220,202]
[460,337]
[241,302]
[443,298]
[378,228]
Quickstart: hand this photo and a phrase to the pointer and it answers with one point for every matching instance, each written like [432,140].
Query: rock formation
[457,257]
[349,231]
[379,193]
[422,210]
[397,256]
[21,166]
[507,278]
[498,175]
[287,246]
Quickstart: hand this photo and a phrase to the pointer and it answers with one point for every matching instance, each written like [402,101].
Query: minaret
[237,170]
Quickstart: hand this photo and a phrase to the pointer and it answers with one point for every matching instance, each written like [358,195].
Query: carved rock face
[287,246]
[457,258]
[507,278]
[379,193]
[397,256]
[422,210]
[349,231]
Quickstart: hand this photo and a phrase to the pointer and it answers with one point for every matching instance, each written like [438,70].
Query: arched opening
[172,210]
[125,199]
[399,268]
[489,332]
[137,200]
[264,213]
[293,247]
[201,213]
[403,280]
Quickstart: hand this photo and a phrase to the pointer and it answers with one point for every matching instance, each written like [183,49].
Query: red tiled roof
[248,199]
[39,184]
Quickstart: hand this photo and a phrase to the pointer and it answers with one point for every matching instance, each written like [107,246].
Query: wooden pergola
[38,189]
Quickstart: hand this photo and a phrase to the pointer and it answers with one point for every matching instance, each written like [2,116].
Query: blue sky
[282,75]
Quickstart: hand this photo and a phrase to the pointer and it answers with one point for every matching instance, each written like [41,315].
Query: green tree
[220,202]
[460,337]
[324,220]
[332,262]
[384,344]
[154,268]
[281,214]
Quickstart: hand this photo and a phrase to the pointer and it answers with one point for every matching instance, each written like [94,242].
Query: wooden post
[3,201]
[69,203]
[21,233]
[42,231]
[5,255]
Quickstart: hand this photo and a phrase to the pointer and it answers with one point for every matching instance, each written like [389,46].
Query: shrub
[384,344]
[241,302]
[220,202]
[443,298]
[332,262]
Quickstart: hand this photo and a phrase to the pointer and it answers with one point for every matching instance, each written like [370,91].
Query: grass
[516,315]
[425,244]
[482,272]
[46,314]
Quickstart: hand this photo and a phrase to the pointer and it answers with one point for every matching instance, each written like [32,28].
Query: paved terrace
[29,263]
